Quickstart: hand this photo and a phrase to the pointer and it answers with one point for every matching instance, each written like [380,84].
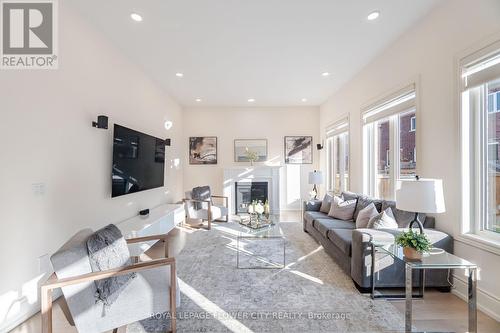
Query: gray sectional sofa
[351,250]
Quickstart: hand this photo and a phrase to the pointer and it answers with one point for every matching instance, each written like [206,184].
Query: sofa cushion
[365,216]
[342,238]
[325,204]
[364,201]
[349,195]
[403,218]
[342,209]
[324,225]
[311,216]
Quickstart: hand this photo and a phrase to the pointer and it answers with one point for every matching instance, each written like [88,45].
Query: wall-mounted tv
[138,161]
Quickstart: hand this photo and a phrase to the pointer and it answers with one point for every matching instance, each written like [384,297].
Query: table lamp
[315,178]
[420,196]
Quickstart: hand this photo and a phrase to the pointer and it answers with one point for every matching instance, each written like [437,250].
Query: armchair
[208,211]
[153,290]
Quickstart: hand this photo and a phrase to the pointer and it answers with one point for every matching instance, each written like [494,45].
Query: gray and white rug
[311,294]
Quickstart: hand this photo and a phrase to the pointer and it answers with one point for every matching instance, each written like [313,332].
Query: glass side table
[265,234]
[435,259]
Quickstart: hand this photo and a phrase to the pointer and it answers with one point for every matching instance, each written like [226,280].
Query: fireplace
[246,192]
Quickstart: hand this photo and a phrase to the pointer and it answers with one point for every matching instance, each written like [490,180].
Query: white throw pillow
[365,215]
[326,204]
[342,209]
[384,220]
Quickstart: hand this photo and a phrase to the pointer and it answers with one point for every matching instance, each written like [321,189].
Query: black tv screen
[138,161]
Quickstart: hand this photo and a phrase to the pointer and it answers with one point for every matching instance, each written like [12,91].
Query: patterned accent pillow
[383,220]
[326,203]
[342,209]
[365,215]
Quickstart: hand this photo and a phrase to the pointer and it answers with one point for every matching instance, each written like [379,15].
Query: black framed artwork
[298,149]
[203,150]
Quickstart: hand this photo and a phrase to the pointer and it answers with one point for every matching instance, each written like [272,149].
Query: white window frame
[389,108]
[475,71]
[340,131]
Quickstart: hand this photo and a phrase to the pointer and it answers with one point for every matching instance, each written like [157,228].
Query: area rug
[311,294]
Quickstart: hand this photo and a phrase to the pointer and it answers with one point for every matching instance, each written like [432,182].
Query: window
[480,137]
[337,156]
[389,143]
[413,124]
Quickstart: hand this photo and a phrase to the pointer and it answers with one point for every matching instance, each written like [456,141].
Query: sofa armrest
[311,205]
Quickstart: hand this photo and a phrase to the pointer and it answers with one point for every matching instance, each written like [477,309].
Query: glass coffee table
[435,259]
[262,248]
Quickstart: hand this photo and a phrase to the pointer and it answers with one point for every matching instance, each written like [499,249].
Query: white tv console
[161,220]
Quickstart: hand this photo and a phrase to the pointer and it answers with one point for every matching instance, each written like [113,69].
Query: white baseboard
[486,302]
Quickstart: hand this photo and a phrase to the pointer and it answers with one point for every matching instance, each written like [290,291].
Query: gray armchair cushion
[324,225]
[311,216]
[364,201]
[403,218]
[108,249]
[342,238]
[200,193]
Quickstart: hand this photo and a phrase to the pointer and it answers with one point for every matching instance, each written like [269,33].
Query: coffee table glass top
[269,231]
[435,258]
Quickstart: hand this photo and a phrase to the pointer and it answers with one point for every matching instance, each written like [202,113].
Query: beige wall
[427,54]
[250,123]
[46,137]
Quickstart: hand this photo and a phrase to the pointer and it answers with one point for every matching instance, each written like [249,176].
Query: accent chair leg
[46,300]
[173,298]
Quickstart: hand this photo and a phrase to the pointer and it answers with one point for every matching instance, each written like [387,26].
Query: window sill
[480,242]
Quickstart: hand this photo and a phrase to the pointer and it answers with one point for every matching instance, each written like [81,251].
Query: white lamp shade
[421,196]
[315,177]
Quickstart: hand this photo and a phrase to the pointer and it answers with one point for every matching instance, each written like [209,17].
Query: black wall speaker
[168,142]
[102,122]
[319,146]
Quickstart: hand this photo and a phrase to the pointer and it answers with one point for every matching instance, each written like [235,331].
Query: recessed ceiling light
[136,17]
[251,100]
[179,74]
[373,16]
[168,124]
[325,74]
[304,100]
[198,100]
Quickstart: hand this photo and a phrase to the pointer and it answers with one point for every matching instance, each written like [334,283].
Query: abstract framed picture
[203,150]
[298,149]
[244,149]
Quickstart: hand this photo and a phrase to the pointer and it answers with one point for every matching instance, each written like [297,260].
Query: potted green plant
[413,243]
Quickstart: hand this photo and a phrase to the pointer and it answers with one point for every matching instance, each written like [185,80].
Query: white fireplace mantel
[269,174]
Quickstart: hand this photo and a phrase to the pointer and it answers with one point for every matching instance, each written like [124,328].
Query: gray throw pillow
[365,215]
[364,201]
[383,220]
[107,250]
[201,193]
[342,209]
[326,203]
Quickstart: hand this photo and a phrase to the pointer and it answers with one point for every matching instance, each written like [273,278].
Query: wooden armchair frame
[53,282]
[209,202]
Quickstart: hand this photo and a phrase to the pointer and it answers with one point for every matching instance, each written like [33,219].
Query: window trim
[413,123]
[337,128]
[467,231]
[368,148]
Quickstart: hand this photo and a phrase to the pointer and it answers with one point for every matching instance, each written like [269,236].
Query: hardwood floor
[436,312]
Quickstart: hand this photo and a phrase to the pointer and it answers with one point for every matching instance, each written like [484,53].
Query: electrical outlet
[38,189]
[44,264]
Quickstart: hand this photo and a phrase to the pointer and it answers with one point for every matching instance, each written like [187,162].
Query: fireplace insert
[247,192]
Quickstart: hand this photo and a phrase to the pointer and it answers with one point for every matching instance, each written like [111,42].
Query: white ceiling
[270,50]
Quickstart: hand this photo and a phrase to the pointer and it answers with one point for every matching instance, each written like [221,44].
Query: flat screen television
[138,161]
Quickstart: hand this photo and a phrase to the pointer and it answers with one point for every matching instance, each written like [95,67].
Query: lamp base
[315,190]
[415,220]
